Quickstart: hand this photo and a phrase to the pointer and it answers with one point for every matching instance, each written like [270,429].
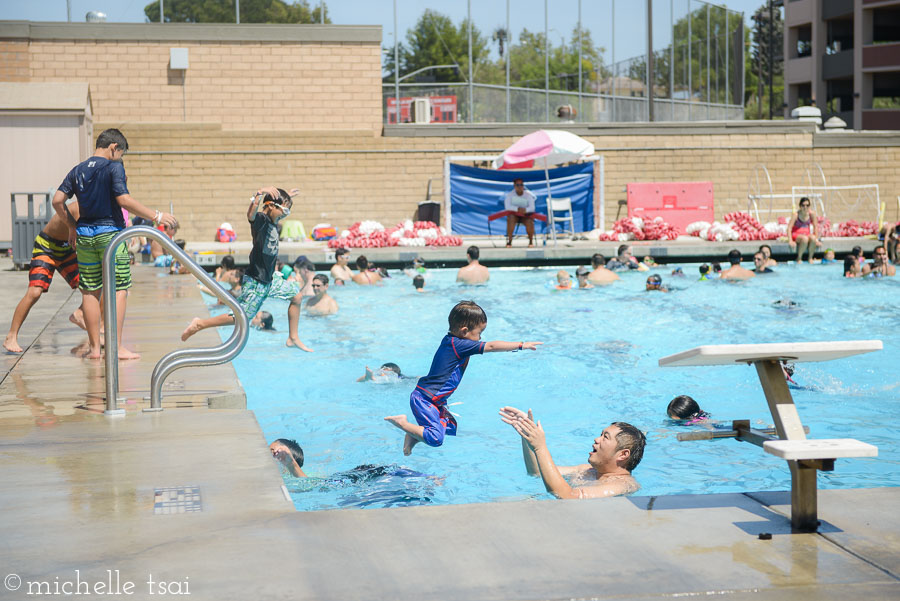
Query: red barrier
[678,203]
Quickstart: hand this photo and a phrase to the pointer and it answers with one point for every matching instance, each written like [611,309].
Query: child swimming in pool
[686,410]
[428,400]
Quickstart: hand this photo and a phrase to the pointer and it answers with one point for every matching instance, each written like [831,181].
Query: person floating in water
[388,372]
[428,400]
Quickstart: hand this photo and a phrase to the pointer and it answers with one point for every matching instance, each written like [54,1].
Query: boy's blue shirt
[447,367]
[97,182]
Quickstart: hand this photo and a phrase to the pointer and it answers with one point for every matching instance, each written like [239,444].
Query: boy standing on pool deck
[260,281]
[429,399]
[99,183]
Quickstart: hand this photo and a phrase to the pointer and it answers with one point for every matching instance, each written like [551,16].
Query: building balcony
[798,69]
[837,66]
[833,9]
[880,56]
[881,119]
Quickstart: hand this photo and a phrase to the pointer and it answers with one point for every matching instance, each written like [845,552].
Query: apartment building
[844,56]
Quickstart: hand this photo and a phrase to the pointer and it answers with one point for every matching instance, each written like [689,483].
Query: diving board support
[804,457]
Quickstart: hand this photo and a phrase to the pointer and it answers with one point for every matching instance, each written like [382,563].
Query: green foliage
[222,11]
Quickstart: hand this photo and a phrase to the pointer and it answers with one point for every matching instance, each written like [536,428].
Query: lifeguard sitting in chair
[518,207]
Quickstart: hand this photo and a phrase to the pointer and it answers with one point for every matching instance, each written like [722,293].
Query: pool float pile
[635,228]
[736,226]
[371,234]
[852,228]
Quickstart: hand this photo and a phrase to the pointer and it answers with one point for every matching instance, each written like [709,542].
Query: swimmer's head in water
[582,272]
[263,320]
[419,282]
[704,269]
[788,368]
[597,260]
[562,277]
[684,407]
[473,252]
[734,256]
[391,367]
[291,446]
[466,314]
[654,282]
[362,263]
[829,254]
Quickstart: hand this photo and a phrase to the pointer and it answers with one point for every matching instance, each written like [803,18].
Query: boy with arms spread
[259,282]
[100,185]
[428,400]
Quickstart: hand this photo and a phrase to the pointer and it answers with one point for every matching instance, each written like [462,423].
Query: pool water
[598,364]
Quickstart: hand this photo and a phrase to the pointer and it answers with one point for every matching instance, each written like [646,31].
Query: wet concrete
[83,499]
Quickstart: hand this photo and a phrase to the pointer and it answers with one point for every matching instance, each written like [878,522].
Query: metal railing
[176,359]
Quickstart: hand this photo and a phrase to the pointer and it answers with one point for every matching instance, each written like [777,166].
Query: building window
[804,41]
[885,26]
[886,90]
[840,36]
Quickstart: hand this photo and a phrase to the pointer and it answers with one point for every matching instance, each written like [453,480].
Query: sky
[487,15]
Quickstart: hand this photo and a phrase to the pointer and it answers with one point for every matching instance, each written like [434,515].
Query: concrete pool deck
[91,499]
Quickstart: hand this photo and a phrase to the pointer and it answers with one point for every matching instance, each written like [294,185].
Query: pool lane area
[190,500]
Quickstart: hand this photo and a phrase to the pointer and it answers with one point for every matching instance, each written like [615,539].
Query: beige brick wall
[14,61]
[239,85]
[208,174]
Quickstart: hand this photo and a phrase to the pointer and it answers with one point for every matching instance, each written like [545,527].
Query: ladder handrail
[176,359]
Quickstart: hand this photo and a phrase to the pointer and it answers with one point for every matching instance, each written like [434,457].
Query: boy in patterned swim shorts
[261,281]
[51,253]
[100,185]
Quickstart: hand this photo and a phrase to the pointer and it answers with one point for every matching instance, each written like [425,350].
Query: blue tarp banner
[476,193]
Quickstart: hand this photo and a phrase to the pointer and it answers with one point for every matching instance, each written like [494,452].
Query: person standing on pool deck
[614,455]
[100,185]
[428,400]
[259,282]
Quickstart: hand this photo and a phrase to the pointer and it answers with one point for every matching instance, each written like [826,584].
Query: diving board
[804,456]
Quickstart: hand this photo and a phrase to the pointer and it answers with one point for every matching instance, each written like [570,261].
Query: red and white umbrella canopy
[544,148]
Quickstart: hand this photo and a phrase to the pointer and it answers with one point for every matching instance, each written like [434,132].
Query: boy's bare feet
[298,343]
[91,354]
[77,317]
[192,329]
[125,354]
[12,344]
[408,443]
[401,422]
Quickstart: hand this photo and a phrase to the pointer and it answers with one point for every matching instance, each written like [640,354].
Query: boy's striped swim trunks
[90,251]
[49,255]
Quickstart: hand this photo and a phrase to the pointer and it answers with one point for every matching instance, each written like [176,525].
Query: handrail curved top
[178,359]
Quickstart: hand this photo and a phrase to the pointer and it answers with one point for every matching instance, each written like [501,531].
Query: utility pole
[771,57]
[650,60]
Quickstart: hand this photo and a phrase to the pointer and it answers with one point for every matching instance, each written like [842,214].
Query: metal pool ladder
[223,353]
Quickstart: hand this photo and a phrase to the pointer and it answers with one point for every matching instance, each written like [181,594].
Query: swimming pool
[598,365]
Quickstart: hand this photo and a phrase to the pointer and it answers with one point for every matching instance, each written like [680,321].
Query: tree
[764,46]
[434,41]
[222,11]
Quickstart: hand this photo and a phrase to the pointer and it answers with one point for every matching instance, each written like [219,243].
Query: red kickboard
[678,203]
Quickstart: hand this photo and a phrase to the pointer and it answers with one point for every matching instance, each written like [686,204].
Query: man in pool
[474,272]
[321,303]
[340,271]
[289,454]
[736,272]
[614,455]
[601,276]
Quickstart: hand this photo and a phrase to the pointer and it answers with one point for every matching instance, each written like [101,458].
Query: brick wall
[350,176]
[14,61]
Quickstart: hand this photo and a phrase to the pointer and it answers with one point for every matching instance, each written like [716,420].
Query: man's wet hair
[683,407]
[734,256]
[111,136]
[598,260]
[227,262]
[419,281]
[466,314]
[473,252]
[622,248]
[295,449]
[321,277]
[632,439]
[362,262]
[340,252]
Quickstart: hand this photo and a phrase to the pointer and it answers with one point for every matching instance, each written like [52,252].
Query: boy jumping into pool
[428,400]
[260,281]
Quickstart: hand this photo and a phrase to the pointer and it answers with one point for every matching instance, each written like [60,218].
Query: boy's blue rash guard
[97,182]
[447,367]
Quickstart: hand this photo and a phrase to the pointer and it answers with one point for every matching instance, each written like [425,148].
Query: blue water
[598,365]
